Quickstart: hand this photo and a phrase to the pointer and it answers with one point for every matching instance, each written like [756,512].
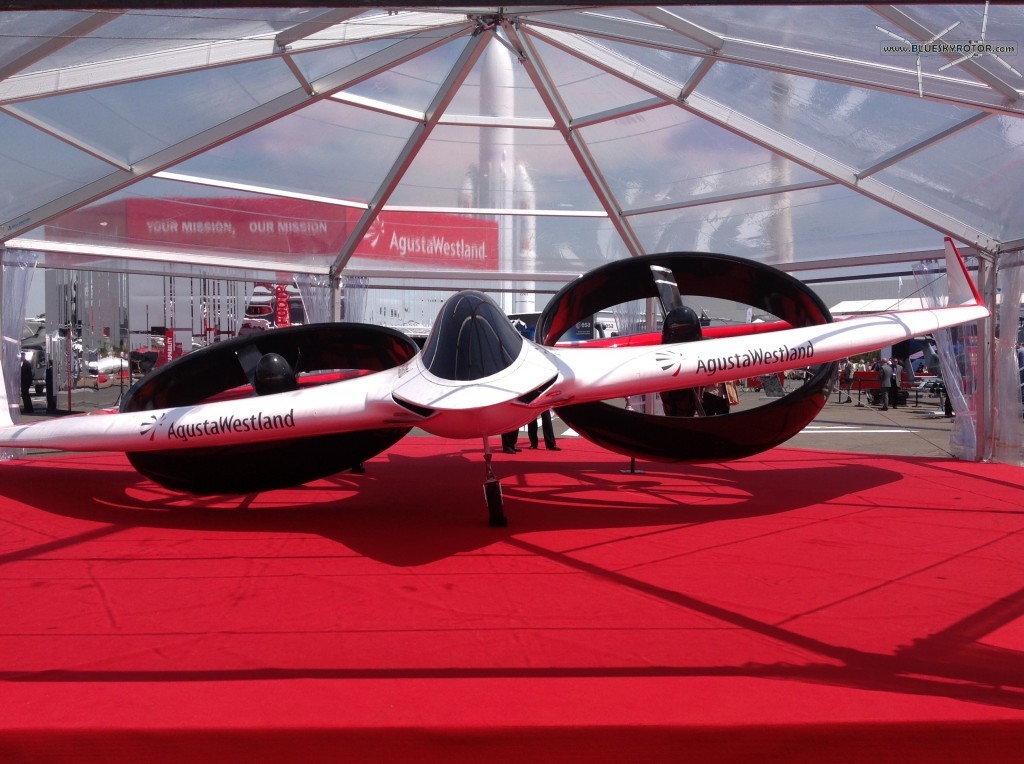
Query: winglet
[961,287]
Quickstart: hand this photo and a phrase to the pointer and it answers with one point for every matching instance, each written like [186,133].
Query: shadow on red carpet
[795,605]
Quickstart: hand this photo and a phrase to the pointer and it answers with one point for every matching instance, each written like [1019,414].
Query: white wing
[348,406]
[591,374]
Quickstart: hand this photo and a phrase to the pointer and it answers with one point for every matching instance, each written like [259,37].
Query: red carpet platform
[799,605]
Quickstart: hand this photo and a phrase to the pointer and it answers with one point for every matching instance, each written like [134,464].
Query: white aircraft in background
[287,406]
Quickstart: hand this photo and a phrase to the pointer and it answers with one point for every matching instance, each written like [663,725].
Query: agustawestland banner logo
[283,227]
[222,425]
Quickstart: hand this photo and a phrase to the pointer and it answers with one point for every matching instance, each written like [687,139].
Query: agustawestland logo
[669,360]
[258,422]
[756,357]
[149,427]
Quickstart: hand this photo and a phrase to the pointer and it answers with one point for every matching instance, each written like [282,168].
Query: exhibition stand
[794,606]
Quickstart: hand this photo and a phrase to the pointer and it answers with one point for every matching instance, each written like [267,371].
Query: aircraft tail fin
[962,290]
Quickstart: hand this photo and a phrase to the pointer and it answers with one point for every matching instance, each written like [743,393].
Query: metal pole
[985,414]
[71,377]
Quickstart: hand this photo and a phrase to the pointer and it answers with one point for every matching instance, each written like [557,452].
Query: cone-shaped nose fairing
[472,339]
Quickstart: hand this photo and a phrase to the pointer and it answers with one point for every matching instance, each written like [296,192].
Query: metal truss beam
[63,136]
[315,25]
[921,145]
[196,57]
[760,134]
[801,63]
[56,42]
[814,160]
[549,95]
[922,33]
[700,201]
[442,98]
[243,123]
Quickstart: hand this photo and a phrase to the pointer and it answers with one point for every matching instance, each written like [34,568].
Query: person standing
[1020,368]
[845,380]
[884,383]
[549,432]
[897,382]
[51,393]
[508,442]
[26,385]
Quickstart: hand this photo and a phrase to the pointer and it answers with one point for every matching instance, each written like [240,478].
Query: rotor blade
[248,357]
[668,289]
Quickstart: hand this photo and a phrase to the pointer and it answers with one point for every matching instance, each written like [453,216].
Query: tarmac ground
[919,428]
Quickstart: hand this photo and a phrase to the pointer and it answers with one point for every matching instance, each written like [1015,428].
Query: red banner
[283,227]
[432,240]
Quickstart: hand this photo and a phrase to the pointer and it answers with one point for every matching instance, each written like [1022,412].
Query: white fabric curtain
[958,359]
[630,318]
[353,298]
[15,280]
[1008,435]
[315,291]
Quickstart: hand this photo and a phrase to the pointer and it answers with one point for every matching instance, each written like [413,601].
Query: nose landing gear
[492,492]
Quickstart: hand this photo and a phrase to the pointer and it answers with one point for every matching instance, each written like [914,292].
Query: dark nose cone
[273,375]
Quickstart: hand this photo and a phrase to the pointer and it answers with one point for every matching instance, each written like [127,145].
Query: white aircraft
[287,406]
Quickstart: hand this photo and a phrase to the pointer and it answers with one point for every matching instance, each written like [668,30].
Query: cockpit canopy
[472,339]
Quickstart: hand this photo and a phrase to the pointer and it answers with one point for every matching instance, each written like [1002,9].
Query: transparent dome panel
[413,84]
[577,245]
[496,168]
[1004,26]
[498,86]
[677,67]
[326,149]
[855,126]
[135,120]
[670,156]
[142,32]
[37,168]
[800,226]
[842,31]
[584,88]
[320,63]
[22,31]
[619,24]
[976,176]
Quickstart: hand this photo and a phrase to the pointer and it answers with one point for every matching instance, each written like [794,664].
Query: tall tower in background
[498,182]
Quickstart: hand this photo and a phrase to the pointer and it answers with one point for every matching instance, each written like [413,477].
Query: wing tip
[961,287]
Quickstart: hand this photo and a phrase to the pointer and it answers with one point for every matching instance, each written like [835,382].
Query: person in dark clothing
[884,383]
[894,387]
[549,432]
[508,442]
[51,392]
[26,386]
